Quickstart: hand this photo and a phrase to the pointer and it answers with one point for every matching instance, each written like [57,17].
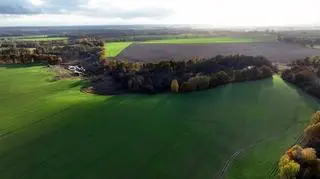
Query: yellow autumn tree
[288,167]
[174,86]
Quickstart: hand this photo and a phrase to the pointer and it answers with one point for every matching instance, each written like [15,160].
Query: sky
[215,13]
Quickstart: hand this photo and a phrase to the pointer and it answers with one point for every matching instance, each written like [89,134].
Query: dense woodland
[305,41]
[302,160]
[181,76]
[85,52]
[305,74]
[108,33]
[31,44]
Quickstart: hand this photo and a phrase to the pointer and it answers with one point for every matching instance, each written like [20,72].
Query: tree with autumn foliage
[288,167]
[300,162]
[312,131]
[174,86]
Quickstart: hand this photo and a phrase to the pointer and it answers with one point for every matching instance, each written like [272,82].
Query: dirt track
[222,173]
[275,51]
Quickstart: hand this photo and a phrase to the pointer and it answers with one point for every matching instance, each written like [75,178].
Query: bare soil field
[274,51]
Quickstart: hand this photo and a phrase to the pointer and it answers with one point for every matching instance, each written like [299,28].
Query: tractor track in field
[221,174]
[275,170]
[224,170]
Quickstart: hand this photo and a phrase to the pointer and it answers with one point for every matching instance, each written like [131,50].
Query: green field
[114,48]
[51,130]
[211,40]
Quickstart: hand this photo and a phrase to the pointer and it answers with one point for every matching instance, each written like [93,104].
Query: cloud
[212,12]
[89,8]
[18,7]
[62,6]
[147,12]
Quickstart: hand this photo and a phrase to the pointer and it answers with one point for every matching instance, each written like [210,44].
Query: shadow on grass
[304,94]
[82,83]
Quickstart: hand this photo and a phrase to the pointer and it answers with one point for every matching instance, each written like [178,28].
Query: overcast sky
[216,13]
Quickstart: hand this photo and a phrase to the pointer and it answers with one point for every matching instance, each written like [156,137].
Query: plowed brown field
[275,51]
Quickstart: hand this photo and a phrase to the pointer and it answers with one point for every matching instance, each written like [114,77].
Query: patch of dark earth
[274,51]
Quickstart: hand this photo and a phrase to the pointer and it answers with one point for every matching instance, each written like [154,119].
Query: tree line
[184,76]
[30,44]
[305,74]
[299,40]
[84,52]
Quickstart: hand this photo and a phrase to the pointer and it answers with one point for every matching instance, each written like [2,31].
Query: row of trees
[83,53]
[305,74]
[87,41]
[299,40]
[302,161]
[203,82]
[186,76]
[24,56]
[31,44]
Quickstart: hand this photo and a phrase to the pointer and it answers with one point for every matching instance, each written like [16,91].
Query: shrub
[201,82]
[188,87]
[174,86]
[304,76]
[148,88]
[266,71]
[223,77]
[288,76]
[238,76]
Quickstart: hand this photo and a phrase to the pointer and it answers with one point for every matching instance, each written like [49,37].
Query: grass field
[210,40]
[114,48]
[51,130]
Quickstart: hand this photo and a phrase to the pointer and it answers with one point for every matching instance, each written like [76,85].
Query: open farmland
[51,130]
[275,51]
[204,40]
[114,48]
